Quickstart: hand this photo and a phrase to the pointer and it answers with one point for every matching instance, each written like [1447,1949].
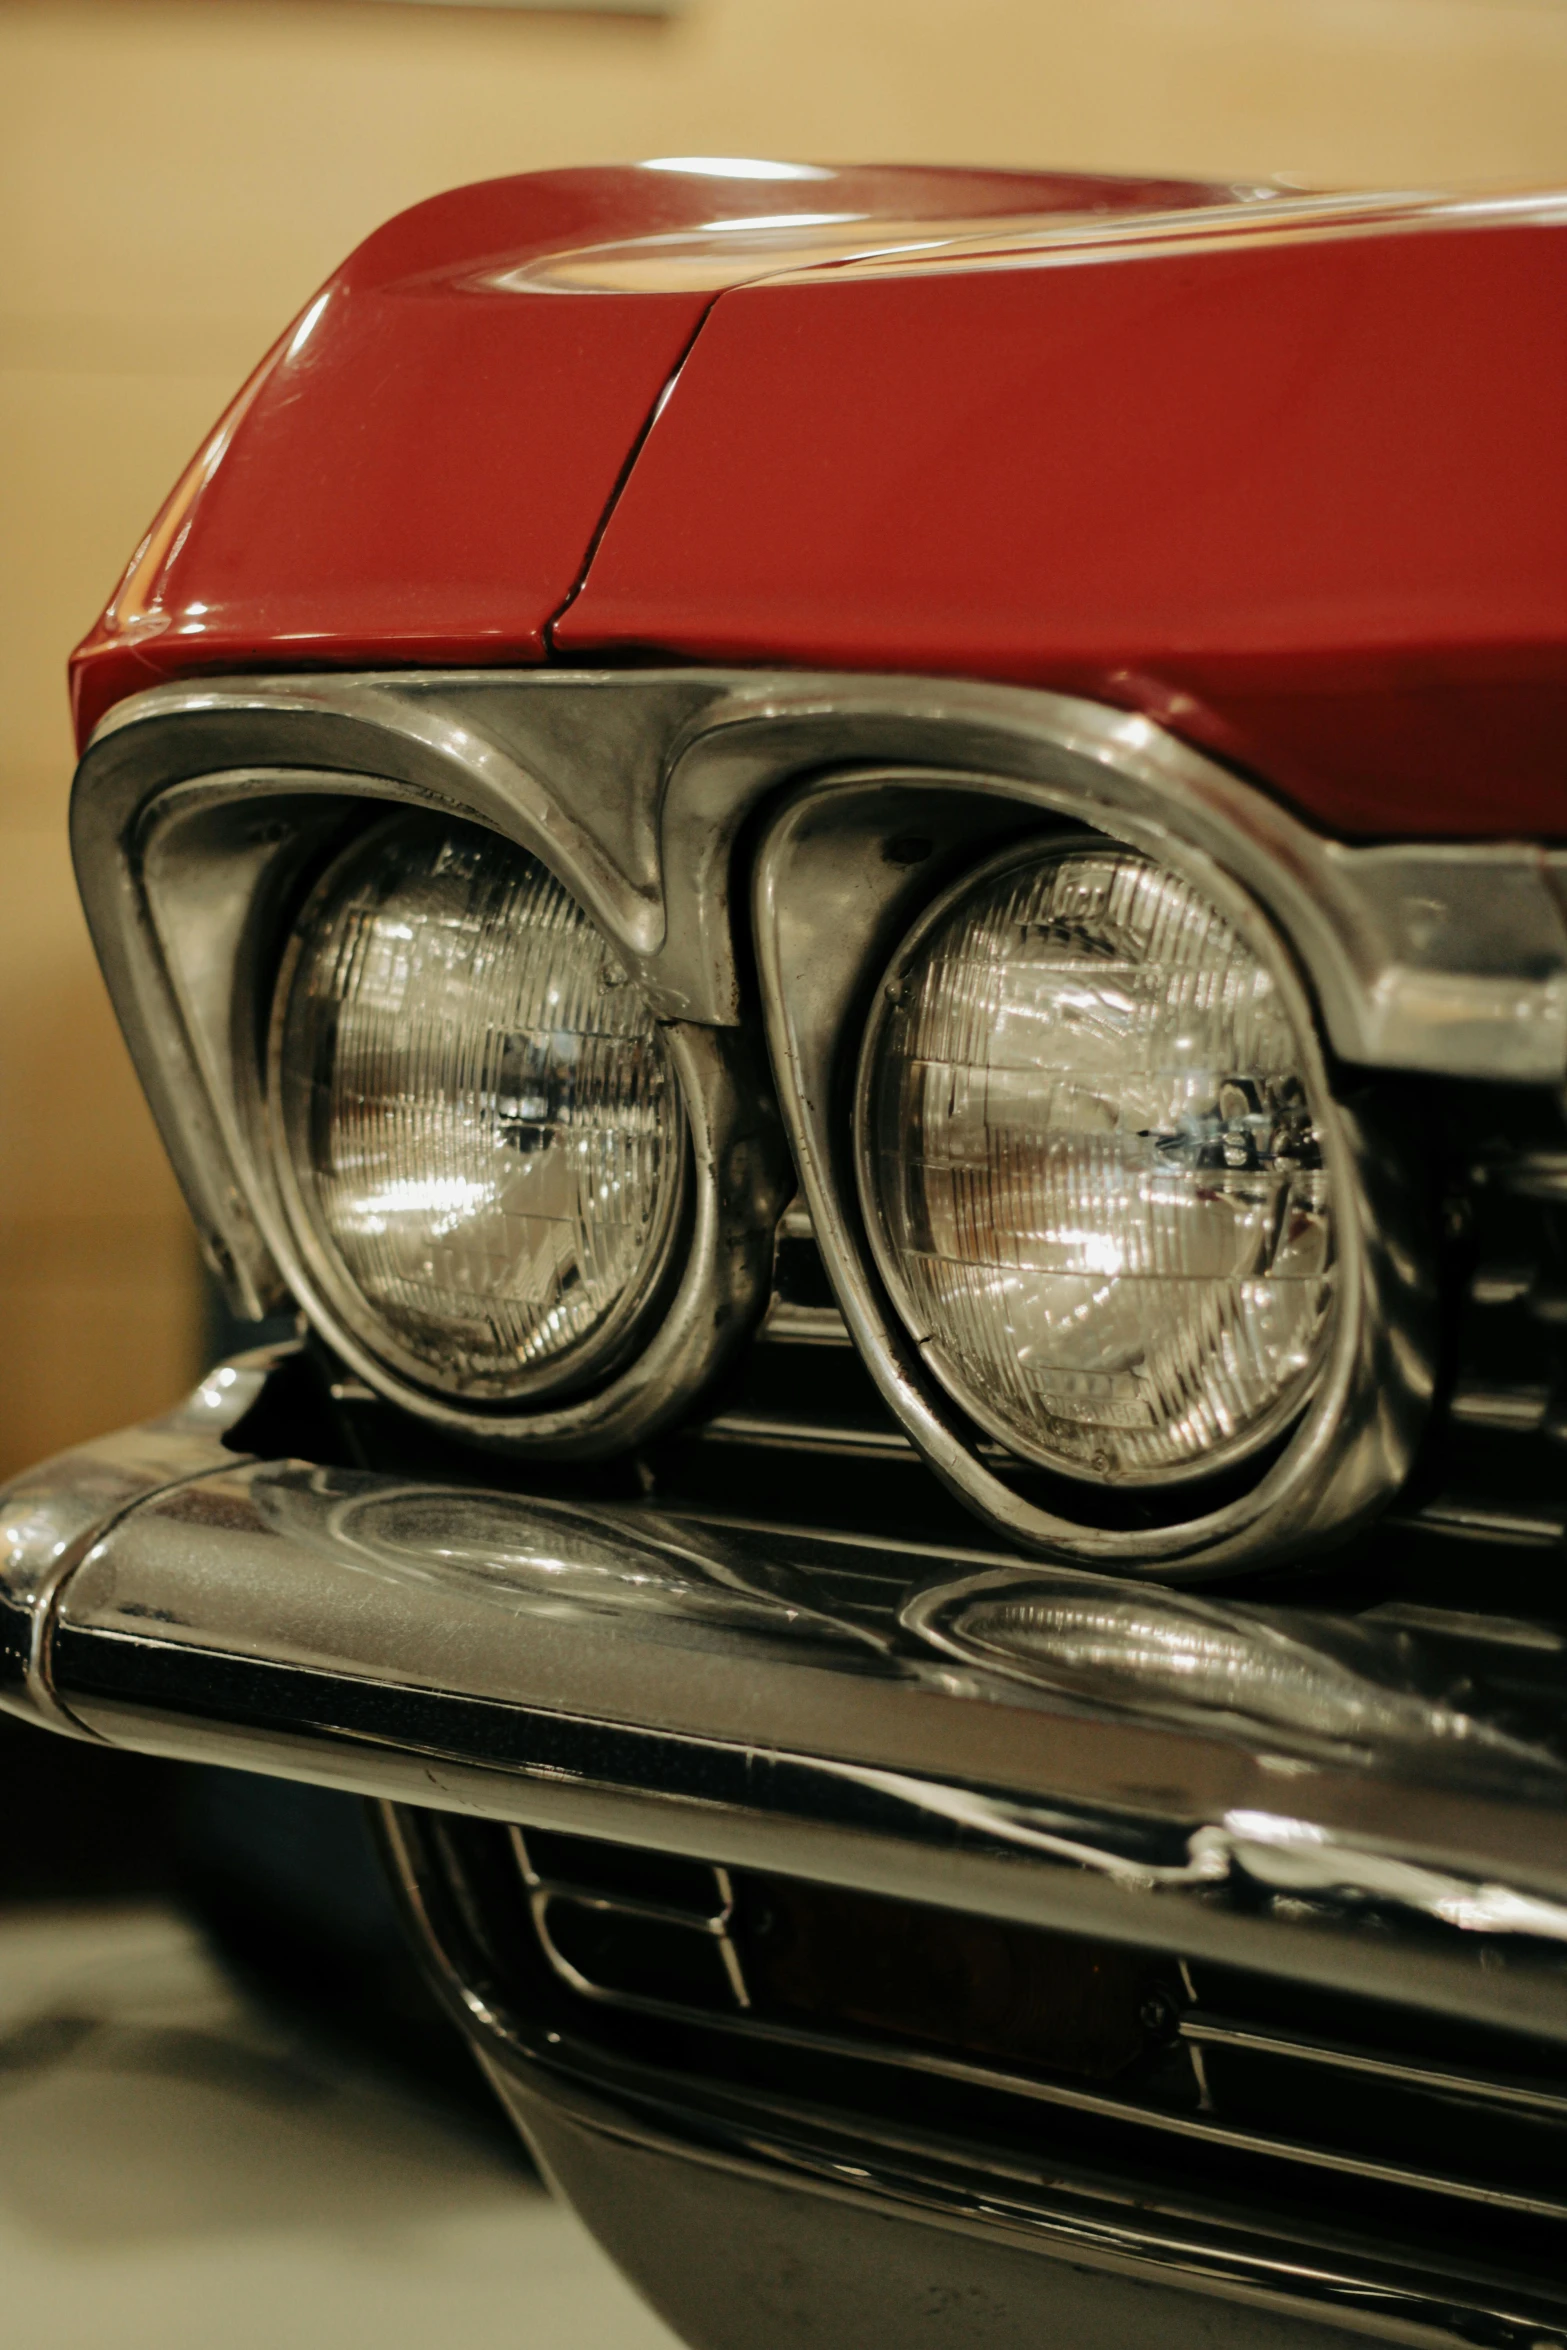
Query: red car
[852,875]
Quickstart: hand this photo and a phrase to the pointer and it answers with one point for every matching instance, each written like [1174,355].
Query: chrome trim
[1286,1409]
[544,1891]
[1446,957]
[634,787]
[1521,1408]
[680,1685]
[52,1516]
[560,2087]
[1192,1659]
[790,1432]
[1448,2081]
[1195,2128]
[803,1325]
[831,908]
[1537,1175]
[208,865]
[1195,2032]
[790,1318]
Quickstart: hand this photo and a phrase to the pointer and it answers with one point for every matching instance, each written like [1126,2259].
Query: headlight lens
[481,1135]
[1090,1171]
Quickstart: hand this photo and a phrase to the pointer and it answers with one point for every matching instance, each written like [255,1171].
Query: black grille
[1496,1470]
[1296,2090]
[800,1435]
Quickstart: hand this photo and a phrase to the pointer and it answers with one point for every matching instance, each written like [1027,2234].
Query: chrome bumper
[727,1692]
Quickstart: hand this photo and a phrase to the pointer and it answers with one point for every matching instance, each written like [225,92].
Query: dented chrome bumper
[1273,1788]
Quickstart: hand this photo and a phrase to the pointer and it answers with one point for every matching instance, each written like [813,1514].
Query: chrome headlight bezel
[839,888]
[207,822]
[194,805]
[708,1287]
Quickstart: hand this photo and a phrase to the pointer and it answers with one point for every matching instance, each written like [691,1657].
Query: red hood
[415,473]
[1291,477]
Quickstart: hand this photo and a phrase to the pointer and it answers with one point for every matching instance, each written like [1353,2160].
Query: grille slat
[1484,2088]
[1223,2067]
[570,1877]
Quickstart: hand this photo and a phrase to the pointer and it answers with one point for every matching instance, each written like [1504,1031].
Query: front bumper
[780,1702]
[699,1687]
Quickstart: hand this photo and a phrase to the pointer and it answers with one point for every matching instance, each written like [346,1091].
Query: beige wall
[176,176]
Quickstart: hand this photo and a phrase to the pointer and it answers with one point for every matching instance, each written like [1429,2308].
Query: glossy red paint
[415,473]
[1305,502]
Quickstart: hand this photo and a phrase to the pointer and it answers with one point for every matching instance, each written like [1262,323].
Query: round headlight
[480,1136]
[1089,1168]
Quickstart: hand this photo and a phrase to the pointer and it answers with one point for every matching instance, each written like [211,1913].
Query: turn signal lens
[481,1135]
[1090,1170]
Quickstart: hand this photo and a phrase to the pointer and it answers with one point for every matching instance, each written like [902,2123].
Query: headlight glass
[1090,1169]
[481,1137]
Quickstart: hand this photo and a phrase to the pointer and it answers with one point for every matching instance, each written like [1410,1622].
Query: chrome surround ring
[735,1188]
[221,857]
[835,893]
[1257,1434]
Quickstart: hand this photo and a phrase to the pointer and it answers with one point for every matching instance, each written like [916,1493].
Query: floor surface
[178,2169]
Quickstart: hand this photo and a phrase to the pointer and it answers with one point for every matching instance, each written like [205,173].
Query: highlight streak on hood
[786,249]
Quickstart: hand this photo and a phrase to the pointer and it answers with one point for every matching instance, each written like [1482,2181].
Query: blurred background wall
[177,175]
